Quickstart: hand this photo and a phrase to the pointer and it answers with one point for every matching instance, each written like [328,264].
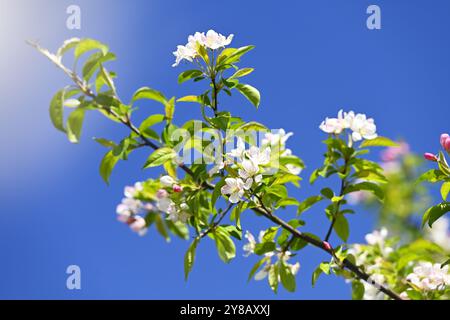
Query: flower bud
[326,245]
[161,194]
[177,188]
[138,224]
[445,141]
[167,181]
[431,157]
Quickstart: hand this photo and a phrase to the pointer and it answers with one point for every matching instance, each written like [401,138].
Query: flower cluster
[211,40]
[129,209]
[376,239]
[284,255]
[252,163]
[170,201]
[445,144]
[361,126]
[427,276]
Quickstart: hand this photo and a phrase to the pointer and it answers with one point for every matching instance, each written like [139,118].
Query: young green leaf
[251,93]
[149,93]
[85,45]
[189,258]
[75,124]
[159,156]
[287,277]
[107,165]
[379,142]
[225,246]
[189,74]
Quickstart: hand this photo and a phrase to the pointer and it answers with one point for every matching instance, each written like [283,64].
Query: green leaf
[252,126]
[308,203]
[366,186]
[67,45]
[287,277]
[107,165]
[196,99]
[169,109]
[273,277]
[225,246]
[150,121]
[445,189]
[57,111]
[159,157]
[75,124]
[262,248]
[256,267]
[327,193]
[105,142]
[435,212]
[357,290]
[189,74]
[94,62]
[230,57]
[86,45]
[341,227]
[432,176]
[241,73]
[216,192]
[161,227]
[251,93]
[189,258]
[149,93]
[379,142]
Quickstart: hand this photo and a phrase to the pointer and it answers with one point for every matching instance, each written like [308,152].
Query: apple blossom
[183,53]
[235,188]
[428,276]
[331,125]
[371,292]
[162,193]
[138,224]
[363,128]
[167,181]
[276,139]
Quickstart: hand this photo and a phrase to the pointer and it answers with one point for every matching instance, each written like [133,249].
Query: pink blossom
[429,156]
[445,141]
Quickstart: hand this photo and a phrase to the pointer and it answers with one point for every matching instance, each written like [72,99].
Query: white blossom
[249,247]
[378,237]
[138,225]
[235,188]
[276,139]
[130,191]
[238,152]
[214,40]
[427,276]
[371,292]
[167,181]
[361,126]
[183,53]
[331,125]
[293,169]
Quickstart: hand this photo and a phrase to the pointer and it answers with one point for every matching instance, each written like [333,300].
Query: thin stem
[338,205]
[216,223]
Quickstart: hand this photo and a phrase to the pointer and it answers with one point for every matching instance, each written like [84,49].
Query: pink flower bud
[445,141]
[177,188]
[326,245]
[430,157]
[161,194]
[138,224]
[444,137]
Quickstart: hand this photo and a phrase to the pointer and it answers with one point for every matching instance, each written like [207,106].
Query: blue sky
[311,59]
